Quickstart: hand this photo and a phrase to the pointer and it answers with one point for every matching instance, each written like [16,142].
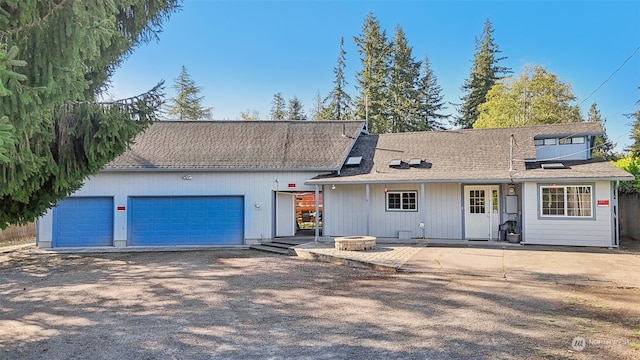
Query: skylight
[395,162]
[553,166]
[354,161]
[415,161]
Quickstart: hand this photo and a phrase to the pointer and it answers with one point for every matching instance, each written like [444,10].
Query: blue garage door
[83,222]
[199,220]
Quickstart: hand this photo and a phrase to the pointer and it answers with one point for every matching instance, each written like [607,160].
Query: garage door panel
[83,222]
[213,220]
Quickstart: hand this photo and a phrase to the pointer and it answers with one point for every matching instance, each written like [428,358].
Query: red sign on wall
[603,202]
[291,185]
[121,208]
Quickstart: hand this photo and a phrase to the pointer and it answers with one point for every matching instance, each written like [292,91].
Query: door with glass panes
[481,212]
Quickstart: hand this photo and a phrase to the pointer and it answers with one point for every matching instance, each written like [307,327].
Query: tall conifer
[278,108]
[431,102]
[187,104]
[484,74]
[56,58]
[372,80]
[339,101]
[403,85]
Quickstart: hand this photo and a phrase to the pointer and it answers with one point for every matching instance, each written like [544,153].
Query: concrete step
[272,249]
[278,244]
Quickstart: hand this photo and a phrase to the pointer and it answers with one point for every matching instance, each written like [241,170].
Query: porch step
[278,248]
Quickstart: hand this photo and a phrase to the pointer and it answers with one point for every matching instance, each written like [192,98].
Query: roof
[473,155]
[237,145]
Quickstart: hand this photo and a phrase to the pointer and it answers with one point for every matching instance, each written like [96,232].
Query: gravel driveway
[251,305]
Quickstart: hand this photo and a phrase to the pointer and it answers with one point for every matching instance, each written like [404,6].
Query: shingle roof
[478,155]
[278,145]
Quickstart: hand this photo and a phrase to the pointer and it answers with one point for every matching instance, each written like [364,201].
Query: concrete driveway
[597,267]
[560,265]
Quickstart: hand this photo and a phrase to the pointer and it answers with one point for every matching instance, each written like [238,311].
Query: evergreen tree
[404,98]
[431,102]
[295,110]
[278,110]
[187,105]
[535,97]
[339,107]
[319,110]
[484,74]
[602,146]
[634,149]
[375,51]
[56,58]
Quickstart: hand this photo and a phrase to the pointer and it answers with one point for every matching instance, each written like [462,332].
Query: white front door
[285,214]
[481,212]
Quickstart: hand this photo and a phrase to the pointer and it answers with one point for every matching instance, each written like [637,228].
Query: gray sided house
[539,182]
[201,184]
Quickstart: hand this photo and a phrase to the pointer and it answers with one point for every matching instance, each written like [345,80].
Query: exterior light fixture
[187,177]
[333,187]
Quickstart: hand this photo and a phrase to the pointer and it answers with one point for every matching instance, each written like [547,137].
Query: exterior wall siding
[563,151]
[595,231]
[345,211]
[256,187]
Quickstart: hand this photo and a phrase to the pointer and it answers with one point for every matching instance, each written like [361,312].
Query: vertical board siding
[345,211]
[563,151]
[256,186]
[575,232]
[444,217]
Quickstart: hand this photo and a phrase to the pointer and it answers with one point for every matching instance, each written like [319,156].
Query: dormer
[563,147]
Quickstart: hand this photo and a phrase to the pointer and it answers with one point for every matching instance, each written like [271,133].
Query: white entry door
[285,214]
[481,212]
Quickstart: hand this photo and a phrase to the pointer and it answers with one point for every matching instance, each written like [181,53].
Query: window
[572,140]
[476,202]
[569,201]
[402,200]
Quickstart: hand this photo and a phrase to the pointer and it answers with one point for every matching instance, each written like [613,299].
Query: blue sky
[243,52]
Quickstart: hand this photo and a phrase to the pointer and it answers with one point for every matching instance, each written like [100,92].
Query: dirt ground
[251,305]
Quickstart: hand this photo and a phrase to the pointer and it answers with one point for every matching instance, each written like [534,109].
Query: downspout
[317,235]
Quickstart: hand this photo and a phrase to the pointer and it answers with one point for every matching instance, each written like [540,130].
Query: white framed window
[566,201]
[402,201]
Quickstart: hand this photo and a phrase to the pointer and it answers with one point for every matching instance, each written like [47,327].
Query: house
[466,184]
[201,183]
[230,183]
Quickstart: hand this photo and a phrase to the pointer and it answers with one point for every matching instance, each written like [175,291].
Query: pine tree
[634,149]
[602,146]
[339,107]
[375,51]
[431,102]
[404,98]
[56,58]
[319,110]
[295,111]
[187,105]
[278,110]
[535,97]
[484,74]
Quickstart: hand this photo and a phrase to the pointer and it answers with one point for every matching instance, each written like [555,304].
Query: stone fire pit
[355,243]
